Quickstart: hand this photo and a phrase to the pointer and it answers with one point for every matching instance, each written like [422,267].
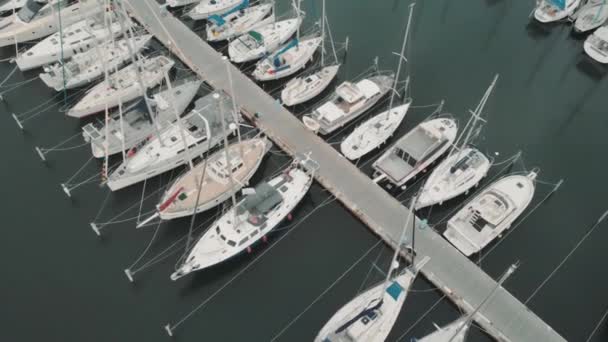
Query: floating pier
[504,317]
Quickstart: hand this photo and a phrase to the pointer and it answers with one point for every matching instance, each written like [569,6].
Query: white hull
[591,16]
[596,45]
[490,213]
[303,89]
[225,240]
[547,13]
[206,8]
[124,87]
[373,132]
[9,5]
[44,23]
[292,61]
[247,48]
[179,3]
[443,184]
[377,324]
[237,24]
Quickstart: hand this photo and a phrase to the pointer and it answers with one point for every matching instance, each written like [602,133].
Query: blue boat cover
[277,61]
[219,19]
[394,290]
[561,4]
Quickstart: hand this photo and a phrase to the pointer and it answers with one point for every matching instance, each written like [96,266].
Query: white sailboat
[249,221]
[239,21]
[122,86]
[551,11]
[76,38]
[257,43]
[288,60]
[127,130]
[370,316]
[591,16]
[206,8]
[86,67]
[463,168]
[36,20]
[375,131]
[416,151]
[490,213]
[596,45]
[12,5]
[305,88]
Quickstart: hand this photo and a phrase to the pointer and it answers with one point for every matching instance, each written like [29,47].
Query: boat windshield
[29,10]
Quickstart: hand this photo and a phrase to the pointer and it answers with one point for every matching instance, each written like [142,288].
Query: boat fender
[289,217]
[249,250]
[265,238]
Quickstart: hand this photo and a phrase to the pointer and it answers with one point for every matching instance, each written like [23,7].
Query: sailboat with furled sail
[463,168]
[549,11]
[375,131]
[305,88]
[370,316]
[239,20]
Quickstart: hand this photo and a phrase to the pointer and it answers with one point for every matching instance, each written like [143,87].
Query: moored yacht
[76,38]
[177,144]
[87,66]
[222,174]
[591,16]
[11,5]
[249,221]
[302,89]
[596,45]
[122,86]
[416,151]
[137,122]
[238,21]
[36,20]
[349,101]
[206,8]
[257,43]
[549,11]
[287,60]
[490,213]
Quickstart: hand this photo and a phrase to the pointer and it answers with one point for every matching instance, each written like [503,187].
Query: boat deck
[504,317]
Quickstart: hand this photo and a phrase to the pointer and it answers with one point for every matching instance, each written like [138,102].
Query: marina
[196,172]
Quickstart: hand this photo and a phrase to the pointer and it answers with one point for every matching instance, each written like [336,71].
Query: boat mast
[106,112]
[331,39]
[179,122]
[235,112]
[471,316]
[401,59]
[323,34]
[228,161]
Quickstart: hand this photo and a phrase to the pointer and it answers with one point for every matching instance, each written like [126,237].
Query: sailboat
[239,21]
[130,128]
[415,151]
[177,144]
[596,45]
[12,5]
[463,168]
[375,131]
[76,38]
[490,213]
[86,67]
[122,86]
[591,16]
[553,10]
[37,20]
[370,316]
[349,101]
[250,220]
[288,60]
[206,8]
[457,330]
[257,43]
[305,88]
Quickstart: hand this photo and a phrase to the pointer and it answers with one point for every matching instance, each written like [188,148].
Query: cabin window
[173,139]
[244,240]
[192,128]
[254,233]
[217,230]
[231,243]
[283,188]
[223,237]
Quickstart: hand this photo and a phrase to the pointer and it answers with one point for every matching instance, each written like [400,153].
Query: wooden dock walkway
[504,316]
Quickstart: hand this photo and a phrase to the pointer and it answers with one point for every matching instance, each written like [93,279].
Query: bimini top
[354,92]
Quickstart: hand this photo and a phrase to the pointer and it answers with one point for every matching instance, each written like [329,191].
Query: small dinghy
[182,141]
[491,213]
[223,174]
[122,86]
[86,67]
[596,45]
[416,151]
[137,123]
[550,11]
[238,21]
[463,168]
[258,43]
[288,60]
[591,16]
[249,221]
[207,8]
[37,20]
[76,38]
[349,101]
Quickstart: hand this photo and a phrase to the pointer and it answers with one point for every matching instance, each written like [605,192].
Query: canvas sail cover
[260,202]
[561,4]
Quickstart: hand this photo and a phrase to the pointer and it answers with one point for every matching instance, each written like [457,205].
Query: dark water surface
[62,283]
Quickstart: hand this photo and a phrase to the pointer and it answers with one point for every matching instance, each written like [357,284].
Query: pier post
[129,275]
[95,228]
[40,154]
[168,330]
[16,120]
[66,190]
